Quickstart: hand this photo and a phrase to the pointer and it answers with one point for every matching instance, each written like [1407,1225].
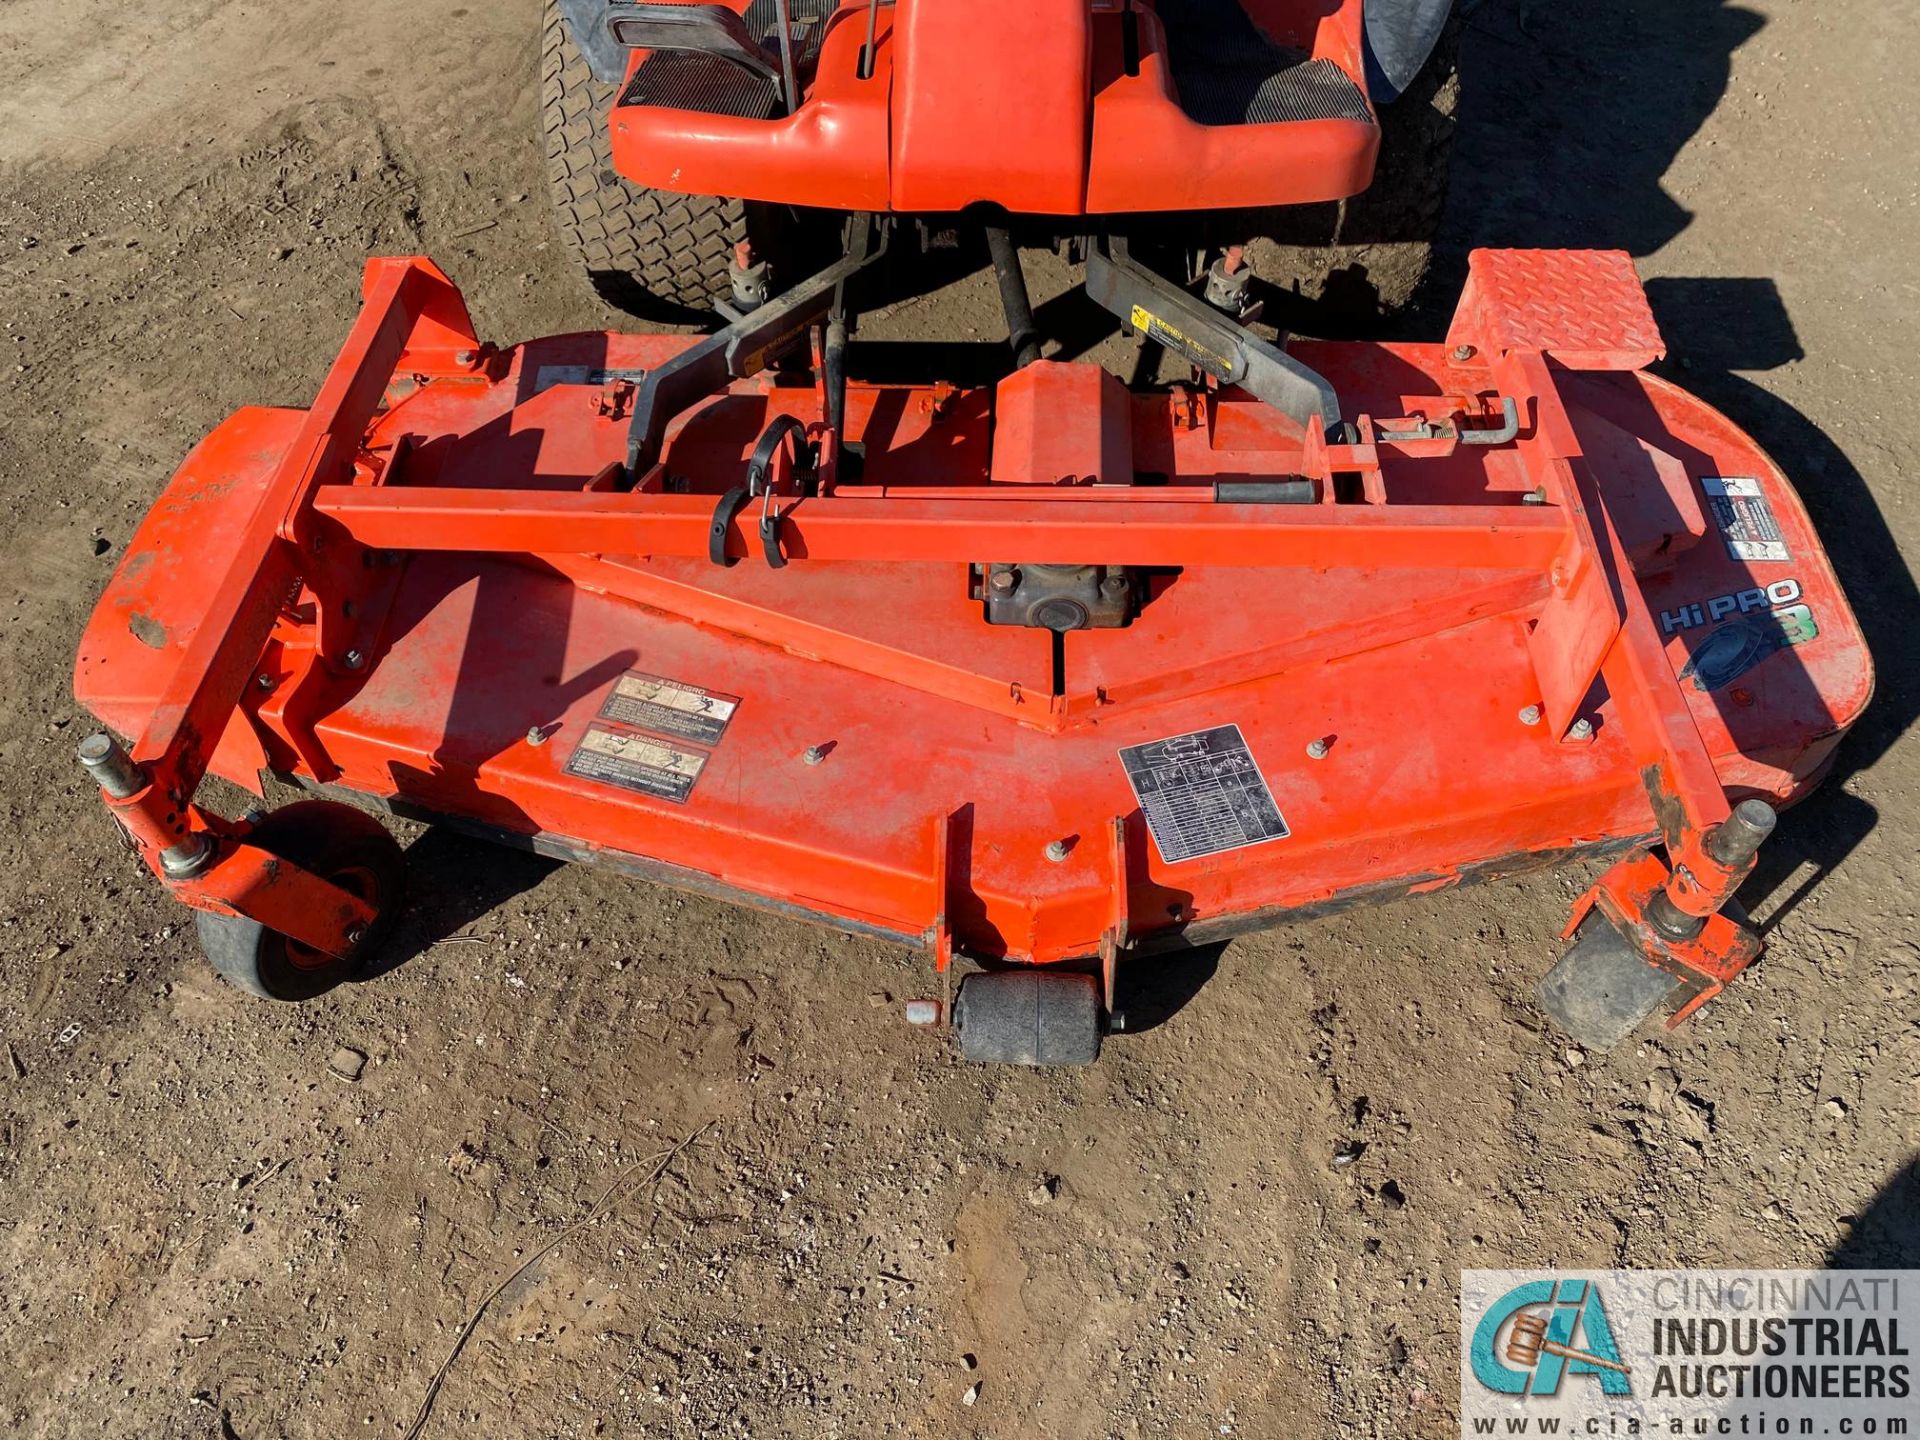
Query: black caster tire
[340,844]
[1601,990]
[1028,1017]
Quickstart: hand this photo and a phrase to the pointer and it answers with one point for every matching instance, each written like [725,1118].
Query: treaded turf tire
[1365,259]
[651,253]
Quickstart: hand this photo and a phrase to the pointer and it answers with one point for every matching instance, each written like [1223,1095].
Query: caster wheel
[339,843]
[1028,1017]
[1601,990]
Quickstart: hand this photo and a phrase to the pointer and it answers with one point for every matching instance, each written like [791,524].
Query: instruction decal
[1202,794]
[1745,518]
[669,708]
[636,762]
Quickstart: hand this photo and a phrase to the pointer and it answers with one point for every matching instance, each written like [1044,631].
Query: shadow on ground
[1886,1235]
[452,881]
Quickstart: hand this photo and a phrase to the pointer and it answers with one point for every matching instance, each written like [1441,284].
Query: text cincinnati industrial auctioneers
[1839,1341]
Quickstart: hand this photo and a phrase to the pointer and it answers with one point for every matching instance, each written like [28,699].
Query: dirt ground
[203,1232]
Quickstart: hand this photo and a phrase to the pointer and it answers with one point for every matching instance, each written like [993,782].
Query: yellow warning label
[1158,330]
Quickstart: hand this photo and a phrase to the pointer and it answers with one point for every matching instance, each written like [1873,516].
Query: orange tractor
[1037,672]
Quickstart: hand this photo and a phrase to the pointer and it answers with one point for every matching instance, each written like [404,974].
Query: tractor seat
[1228,72]
[1043,107]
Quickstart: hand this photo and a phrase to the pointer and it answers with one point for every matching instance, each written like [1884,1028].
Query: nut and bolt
[464,357]
[536,735]
[1002,582]
[1581,730]
[1317,749]
[265,682]
[1464,352]
[356,934]
[354,659]
[814,754]
[923,1012]
[1530,715]
[1057,851]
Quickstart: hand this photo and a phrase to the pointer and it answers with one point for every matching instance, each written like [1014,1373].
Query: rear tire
[1363,260]
[651,253]
[337,843]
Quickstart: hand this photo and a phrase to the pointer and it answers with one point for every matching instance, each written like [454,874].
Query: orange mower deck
[1531,602]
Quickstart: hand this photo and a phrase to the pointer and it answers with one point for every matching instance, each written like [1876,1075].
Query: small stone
[971,1394]
[1836,1108]
[1044,1192]
[970,1361]
[346,1062]
[1772,1212]
[879,999]
[1576,1057]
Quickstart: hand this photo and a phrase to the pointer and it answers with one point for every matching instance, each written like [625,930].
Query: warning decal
[637,763]
[669,708]
[1163,333]
[1202,794]
[1745,518]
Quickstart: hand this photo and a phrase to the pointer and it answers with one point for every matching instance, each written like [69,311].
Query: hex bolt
[1530,715]
[814,755]
[1317,749]
[1464,352]
[112,768]
[1002,582]
[923,1012]
[356,934]
[1116,1022]
[464,357]
[354,659]
[265,682]
[536,735]
[1580,730]
[1056,851]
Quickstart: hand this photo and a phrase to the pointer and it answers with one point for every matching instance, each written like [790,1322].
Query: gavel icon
[1528,1342]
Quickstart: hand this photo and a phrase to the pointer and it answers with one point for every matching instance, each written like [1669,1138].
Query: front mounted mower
[1037,674]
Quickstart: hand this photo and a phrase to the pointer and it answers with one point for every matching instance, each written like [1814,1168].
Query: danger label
[1202,794]
[669,708]
[1745,518]
[636,762]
